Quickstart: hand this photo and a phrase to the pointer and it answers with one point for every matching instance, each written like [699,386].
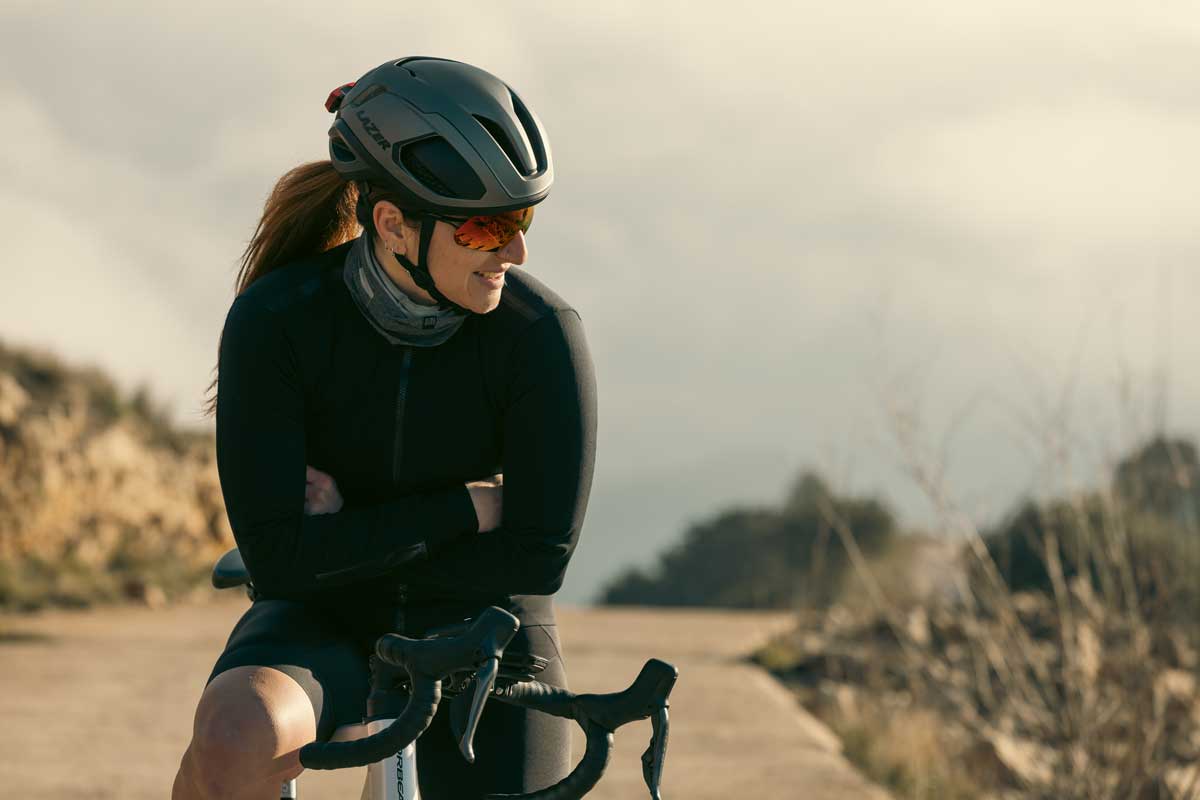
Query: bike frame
[394,778]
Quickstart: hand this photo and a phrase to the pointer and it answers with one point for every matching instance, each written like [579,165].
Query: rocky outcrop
[100,496]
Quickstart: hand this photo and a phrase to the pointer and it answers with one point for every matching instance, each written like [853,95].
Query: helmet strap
[420,273]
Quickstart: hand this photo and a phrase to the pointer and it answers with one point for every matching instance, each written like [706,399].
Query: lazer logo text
[373,130]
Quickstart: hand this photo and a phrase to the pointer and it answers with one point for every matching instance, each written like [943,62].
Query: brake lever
[514,668]
[485,679]
[656,751]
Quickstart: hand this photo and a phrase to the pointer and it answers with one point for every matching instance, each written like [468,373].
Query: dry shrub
[903,749]
[101,497]
[1062,665]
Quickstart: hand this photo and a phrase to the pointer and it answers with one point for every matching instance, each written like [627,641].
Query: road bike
[466,662]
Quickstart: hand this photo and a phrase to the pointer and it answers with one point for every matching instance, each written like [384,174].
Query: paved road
[115,691]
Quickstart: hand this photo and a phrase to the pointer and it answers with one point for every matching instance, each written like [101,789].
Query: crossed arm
[549,431]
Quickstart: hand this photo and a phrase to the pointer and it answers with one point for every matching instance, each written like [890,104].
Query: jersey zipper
[401,397]
[397,450]
[401,598]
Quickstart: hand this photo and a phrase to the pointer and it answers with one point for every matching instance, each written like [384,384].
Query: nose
[515,251]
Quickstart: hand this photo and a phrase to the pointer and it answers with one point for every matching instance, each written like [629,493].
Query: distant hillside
[100,496]
[763,557]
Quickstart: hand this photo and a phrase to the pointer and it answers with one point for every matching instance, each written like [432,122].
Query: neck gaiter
[396,316]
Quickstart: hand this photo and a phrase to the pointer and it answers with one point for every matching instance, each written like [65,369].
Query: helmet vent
[502,139]
[374,90]
[435,163]
[531,131]
[340,151]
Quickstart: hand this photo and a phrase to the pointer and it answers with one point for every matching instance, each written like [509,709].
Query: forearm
[296,554]
[549,457]
[496,563]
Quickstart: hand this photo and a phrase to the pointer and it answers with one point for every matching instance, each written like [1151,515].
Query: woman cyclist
[405,431]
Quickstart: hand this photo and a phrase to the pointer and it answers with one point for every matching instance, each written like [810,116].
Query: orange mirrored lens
[493,231]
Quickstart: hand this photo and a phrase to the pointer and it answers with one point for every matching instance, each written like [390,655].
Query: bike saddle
[230,571]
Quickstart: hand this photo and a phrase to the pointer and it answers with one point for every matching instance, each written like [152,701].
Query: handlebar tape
[583,778]
[427,662]
[412,722]
[600,715]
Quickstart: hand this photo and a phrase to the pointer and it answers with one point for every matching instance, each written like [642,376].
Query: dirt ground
[99,705]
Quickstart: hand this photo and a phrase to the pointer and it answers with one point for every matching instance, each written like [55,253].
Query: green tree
[760,557]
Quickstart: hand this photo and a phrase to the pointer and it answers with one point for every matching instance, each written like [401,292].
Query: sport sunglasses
[488,232]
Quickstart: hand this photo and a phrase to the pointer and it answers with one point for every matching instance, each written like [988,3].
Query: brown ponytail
[310,210]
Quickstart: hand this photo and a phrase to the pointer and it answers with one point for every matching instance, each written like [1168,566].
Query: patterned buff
[394,314]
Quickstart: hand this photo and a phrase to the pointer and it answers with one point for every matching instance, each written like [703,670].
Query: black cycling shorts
[516,749]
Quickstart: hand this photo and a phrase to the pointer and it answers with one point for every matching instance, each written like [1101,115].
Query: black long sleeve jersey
[305,380]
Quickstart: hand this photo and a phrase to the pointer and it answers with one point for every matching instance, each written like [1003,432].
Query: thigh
[305,644]
[516,750]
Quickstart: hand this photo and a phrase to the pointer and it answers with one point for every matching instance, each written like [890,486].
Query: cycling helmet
[437,136]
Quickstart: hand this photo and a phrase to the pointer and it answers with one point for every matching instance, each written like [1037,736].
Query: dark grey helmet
[441,135]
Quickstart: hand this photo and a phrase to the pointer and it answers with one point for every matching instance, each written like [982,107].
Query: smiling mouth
[494,278]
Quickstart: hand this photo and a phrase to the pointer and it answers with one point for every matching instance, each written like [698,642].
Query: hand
[488,497]
[321,495]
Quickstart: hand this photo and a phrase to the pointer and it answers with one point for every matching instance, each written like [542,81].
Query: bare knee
[249,724]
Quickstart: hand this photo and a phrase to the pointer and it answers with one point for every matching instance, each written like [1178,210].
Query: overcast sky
[777,220]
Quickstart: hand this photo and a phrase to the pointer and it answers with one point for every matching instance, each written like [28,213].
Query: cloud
[758,211]
[1095,169]
[63,293]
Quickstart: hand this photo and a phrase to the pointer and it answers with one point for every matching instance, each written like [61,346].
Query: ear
[389,225]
